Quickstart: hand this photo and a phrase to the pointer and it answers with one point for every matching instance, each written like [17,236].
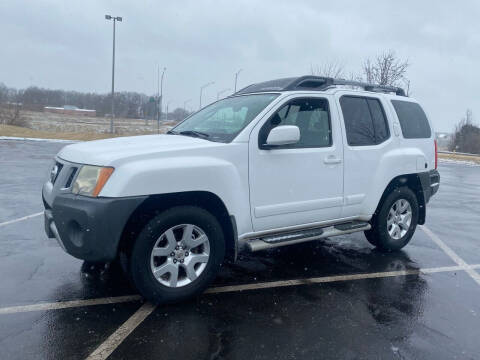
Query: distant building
[70,110]
[443,140]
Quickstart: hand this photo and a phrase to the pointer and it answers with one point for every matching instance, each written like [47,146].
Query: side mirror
[283,135]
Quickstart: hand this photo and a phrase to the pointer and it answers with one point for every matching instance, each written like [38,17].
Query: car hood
[110,151]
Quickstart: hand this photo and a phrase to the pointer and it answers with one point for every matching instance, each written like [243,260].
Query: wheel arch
[155,204]
[412,181]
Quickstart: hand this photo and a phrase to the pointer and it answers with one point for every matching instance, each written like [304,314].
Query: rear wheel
[394,224]
[177,255]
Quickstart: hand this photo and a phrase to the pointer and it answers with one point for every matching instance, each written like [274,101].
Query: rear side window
[365,121]
[413,120]
[379,121]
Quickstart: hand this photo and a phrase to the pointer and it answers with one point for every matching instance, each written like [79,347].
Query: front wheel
[394,224]
[177,255]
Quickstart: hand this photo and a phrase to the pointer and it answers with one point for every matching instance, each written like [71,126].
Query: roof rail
[311,82]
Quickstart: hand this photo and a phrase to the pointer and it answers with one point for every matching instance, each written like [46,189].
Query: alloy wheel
[180,255]
[399,219]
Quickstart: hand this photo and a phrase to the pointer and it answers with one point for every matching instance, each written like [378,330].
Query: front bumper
[89,228]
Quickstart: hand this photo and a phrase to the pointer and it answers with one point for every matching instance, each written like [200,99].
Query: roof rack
[318,83]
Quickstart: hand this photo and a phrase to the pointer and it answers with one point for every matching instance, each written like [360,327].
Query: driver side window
[312,117]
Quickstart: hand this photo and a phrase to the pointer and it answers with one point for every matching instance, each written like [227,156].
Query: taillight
[436,153]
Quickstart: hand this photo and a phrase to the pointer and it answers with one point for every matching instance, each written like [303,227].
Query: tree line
[128,104]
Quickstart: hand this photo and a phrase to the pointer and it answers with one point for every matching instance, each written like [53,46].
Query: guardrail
[458,153]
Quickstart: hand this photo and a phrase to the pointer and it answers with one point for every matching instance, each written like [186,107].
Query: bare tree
[466,137]
[10,107]
[328,69]
[386,69]
[10,114]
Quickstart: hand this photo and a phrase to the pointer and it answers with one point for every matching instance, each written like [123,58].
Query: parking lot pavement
[335,298]
[455,215]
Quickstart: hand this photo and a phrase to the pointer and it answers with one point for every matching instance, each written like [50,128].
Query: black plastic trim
[235,237]
[430,181]
[91,228]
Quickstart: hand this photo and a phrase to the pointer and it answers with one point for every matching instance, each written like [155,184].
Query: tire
[391,230]
[197,260]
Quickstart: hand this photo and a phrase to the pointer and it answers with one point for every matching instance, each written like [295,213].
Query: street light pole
[236,78]
[201,91]
[115,19]
[159,99]
[221,92]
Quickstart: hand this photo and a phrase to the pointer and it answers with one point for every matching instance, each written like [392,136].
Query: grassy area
[475,159]
[17,131]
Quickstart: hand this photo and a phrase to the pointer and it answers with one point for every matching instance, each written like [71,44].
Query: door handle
[332,160]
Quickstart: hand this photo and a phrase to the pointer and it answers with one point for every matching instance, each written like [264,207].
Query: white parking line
[452,254]
[234,288]
[114,340]
[68,304]
[335,278]
[21,219]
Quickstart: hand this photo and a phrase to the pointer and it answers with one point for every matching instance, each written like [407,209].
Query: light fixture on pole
[114,19]
[201,91]
[236,78]
[222,92]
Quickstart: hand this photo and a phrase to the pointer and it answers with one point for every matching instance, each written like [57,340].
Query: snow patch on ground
[37,139]
[458,162]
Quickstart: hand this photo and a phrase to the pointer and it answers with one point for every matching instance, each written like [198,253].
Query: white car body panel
[290,187]
[265,189]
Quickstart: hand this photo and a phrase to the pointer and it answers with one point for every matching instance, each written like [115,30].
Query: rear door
[301,183]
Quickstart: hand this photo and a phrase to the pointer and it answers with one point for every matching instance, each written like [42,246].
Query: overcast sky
[67,45]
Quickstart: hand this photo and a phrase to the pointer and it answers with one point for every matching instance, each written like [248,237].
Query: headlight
[91,179]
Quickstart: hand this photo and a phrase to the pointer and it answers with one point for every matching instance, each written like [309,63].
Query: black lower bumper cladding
[430,183]
[89,228]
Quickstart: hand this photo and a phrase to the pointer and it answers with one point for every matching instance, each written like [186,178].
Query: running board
[273,241]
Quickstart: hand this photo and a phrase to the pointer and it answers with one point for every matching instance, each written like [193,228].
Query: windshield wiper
[194,133]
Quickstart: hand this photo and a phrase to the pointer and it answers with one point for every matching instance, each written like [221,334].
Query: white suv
[277,163]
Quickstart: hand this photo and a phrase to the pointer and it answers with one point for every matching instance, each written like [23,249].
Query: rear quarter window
[413,120]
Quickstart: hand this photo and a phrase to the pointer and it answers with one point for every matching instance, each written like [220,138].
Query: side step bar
[273,241]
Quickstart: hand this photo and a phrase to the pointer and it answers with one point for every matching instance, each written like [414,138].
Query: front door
[300,183]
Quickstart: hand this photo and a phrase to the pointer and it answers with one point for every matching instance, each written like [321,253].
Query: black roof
[311,82]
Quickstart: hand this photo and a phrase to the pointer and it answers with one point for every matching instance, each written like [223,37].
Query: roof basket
[311,82]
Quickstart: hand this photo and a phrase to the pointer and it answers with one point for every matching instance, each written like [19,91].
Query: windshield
[223,120]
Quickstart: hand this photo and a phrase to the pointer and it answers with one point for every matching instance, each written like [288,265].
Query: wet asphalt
[418,316]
